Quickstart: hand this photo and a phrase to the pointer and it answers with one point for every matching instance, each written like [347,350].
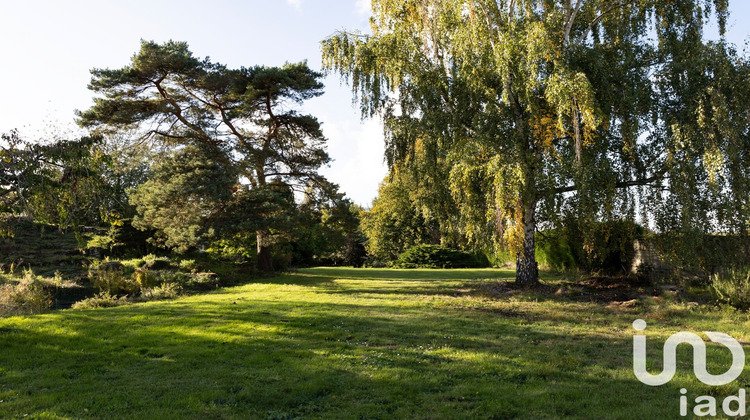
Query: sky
[48,48]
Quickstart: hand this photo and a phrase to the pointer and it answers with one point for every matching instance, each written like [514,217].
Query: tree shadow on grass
[392,274]
[258,358]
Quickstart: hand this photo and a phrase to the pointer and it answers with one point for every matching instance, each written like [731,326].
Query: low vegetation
[732,286]
[435,256]
[359,343]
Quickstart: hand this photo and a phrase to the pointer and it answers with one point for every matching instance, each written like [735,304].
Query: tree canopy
[541,108]
[68,183]
[236,126]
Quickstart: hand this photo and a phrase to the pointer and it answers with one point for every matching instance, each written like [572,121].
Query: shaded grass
[352,343]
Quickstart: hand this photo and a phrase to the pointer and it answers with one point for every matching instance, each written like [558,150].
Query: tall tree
[604,108]
[395,222]
[244,118]
[60,182]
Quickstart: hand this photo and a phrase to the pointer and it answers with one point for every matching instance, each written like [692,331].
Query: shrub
[435,256]
[156,263]
[28,296]
[146,278]
[163,291]
[604,246]
[174,277]
[732,286]
[104,242]
[110,277]
[203,281]
[102,300]
[190,281]
[188,265]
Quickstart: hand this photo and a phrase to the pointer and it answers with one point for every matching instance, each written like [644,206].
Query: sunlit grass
[352,343]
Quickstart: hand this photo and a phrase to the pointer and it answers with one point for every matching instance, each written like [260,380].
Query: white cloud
[364,8]
[297,4]
[357,150]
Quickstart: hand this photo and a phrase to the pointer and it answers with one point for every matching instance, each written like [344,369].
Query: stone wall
[647,261]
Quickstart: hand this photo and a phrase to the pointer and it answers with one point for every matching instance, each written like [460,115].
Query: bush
[606,246]
[187,281]
[146,278]
[110,277]
[696,250]
[101,300]
[203,281]
[163,291]
[435,256]
[30,296]
[188,265]
[732,286]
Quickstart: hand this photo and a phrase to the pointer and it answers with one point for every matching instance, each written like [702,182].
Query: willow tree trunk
[527,270]
[264,252]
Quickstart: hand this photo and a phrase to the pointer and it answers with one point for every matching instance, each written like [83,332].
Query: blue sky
[48,48]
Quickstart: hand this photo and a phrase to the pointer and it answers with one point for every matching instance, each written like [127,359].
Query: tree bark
[265,264]
[527,270]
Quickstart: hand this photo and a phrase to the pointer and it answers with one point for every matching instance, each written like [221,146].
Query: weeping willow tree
[603,108]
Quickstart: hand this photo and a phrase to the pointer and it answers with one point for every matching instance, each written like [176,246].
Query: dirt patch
[503,289]
[622,292]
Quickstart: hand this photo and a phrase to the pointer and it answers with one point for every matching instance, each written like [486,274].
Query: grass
[355,343]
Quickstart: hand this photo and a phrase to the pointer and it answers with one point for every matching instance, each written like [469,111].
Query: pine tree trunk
[264,253]
[527,271]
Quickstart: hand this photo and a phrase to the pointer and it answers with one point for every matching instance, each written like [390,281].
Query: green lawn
[353,343]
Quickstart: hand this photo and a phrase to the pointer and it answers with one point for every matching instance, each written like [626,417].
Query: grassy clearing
[354,343]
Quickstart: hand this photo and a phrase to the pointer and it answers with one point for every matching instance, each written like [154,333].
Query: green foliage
[61,182]
[394,223]
[554,251]
[188,265]
[101,241]
[435,256]
[327,232]
[102,300]
[187,189]
[694,249]
[732,286]
[607,247]
[145,278]
[604,109]
[239,248]
[224,126]
[162,292]
[111,277]
[29,296]
[149,276]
